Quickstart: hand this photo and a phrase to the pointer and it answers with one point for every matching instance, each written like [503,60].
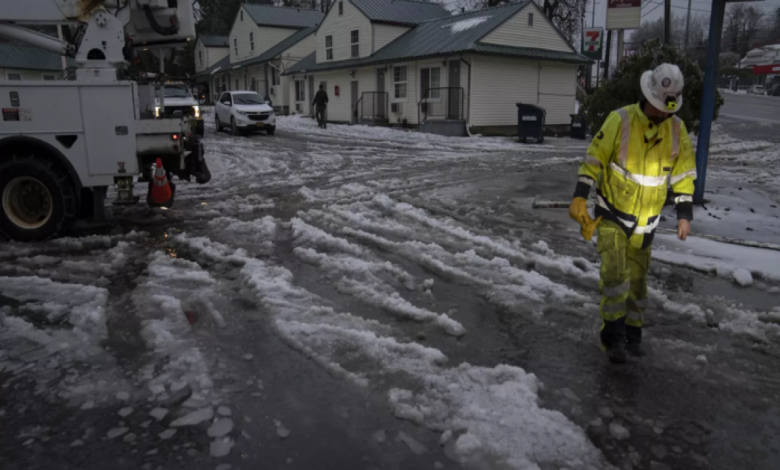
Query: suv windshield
[247,98]
[176,91]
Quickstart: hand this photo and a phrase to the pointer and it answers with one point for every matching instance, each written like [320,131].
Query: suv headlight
[156,111]
[197,111]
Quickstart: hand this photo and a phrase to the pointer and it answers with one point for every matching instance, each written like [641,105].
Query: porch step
[448,127]
[374,122]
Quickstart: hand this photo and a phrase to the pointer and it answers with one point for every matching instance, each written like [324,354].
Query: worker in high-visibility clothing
[639,150]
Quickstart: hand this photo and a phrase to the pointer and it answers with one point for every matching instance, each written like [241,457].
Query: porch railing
[372,105]
[441,103]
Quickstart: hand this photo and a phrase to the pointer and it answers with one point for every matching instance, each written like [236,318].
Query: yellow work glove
[578,210]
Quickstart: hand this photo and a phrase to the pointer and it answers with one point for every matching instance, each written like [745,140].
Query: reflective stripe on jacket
[632,161]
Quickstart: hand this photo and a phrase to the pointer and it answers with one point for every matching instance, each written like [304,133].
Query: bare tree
[742,26]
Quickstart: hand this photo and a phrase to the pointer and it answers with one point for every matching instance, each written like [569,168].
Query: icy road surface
[370,298]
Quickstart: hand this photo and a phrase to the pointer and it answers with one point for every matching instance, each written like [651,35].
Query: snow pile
[726,260]
[463,25]
[491,416]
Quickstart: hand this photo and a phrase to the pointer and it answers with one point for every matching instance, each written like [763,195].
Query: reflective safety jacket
[632,161]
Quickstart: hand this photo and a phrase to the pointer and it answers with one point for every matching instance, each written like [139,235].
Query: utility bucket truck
[63,143]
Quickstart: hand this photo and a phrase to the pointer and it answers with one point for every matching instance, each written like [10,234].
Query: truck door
[108,113]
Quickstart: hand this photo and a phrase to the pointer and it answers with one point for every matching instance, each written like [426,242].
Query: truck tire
[37,199]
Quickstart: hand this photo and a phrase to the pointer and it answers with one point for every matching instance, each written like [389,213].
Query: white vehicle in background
[244,111]
[756,90]
[178,102]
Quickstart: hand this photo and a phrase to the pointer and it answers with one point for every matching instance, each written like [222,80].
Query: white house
[401,61]
[20,62]
[263,42]
[209,50]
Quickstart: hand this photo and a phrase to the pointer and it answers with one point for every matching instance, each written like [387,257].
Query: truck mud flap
[195,165]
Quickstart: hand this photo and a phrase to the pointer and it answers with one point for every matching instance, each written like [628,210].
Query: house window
[430,79]
[530,19]
[252,41]
[328,47]
[14,76]
[235,45]
[300,90]
[355,44]
[200,56]
[399,82]
[341,8]
[49,78]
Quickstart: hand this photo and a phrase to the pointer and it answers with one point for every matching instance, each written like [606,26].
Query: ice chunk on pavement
[618,432]
[445,437]
[413,444]
[223,466]
[380,436]
[743,277]
[196,417]
[158,413]
[116,432]
[438,465]
[125,412]
[76,443]
[701,358]
[220,447]
[88,405]
[220,427]
[248,357]
[224,411]
[129,438]
[122,396]
[157,389]
[167,434]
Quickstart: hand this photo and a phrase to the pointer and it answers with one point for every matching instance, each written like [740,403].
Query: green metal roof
[222,65]
[299,18]
[405,12]
[445,36]
[15,56]
[214,41]
[276,50]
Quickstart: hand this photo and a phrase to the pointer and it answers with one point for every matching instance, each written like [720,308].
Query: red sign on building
[766,69]
[624,3]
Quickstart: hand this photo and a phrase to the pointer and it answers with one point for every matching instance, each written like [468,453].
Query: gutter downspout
[468,112]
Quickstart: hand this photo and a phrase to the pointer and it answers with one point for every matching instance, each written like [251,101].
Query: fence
[372,105]
[441,103]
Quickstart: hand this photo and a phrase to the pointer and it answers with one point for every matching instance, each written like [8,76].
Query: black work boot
[634,341]
[613,337]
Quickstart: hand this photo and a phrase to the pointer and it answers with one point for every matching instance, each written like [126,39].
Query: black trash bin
[530,122]
[578,128]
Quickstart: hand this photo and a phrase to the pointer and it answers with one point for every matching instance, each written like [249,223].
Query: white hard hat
[663,87]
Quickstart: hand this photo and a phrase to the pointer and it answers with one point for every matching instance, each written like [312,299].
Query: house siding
[215,54]
[29,74]
[264,37]
[499,83]
[516,32]
[557,89]
[384,34]
[340,27]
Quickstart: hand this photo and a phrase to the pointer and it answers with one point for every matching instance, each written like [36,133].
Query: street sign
[623,14]
[591,43]
[766,69]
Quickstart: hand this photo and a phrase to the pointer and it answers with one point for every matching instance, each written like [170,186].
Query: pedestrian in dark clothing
[320,105]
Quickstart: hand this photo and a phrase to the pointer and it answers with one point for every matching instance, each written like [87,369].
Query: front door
[354,90]
[454,92]
[379,97]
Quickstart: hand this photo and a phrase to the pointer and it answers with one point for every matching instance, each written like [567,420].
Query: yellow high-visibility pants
[623,281]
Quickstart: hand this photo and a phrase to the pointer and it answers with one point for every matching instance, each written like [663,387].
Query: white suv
[244,111]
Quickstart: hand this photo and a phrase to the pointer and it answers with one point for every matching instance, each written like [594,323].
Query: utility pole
[593,25]
[708,97]
[609,51]
[687,27]
[667,22]
[620,46]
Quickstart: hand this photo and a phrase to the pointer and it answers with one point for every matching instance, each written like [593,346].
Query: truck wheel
[219,124]
[38,200]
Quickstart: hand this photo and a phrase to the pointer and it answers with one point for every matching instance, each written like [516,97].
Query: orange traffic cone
[160,192]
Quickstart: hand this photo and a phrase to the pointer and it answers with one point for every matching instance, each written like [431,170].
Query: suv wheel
[219,124]
[233,126]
